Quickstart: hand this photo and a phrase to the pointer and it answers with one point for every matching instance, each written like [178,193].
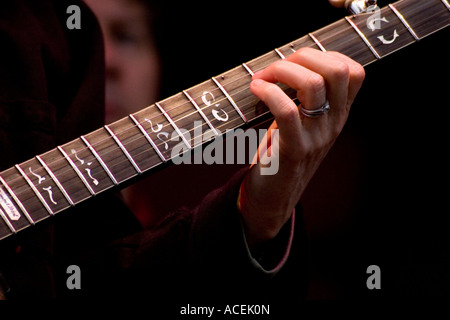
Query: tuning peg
[360,6]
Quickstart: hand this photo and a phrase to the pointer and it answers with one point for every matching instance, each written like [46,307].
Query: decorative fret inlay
[150,140]
[36,191]
[32,206]
[219,108]
[227,95]
[100,160]
[187,119]
[405,23]
[55,179]
[384,30]
[173,124]
[200,112]
[75,168]
[6,221]
[347,41]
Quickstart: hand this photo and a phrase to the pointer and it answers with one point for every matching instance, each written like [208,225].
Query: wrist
[262,222]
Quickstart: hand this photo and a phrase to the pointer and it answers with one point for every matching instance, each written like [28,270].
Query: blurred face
[132,64]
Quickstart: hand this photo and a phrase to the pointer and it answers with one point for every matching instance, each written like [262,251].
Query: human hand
[266,202]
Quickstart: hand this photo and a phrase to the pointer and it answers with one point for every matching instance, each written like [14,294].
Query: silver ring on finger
[315,112]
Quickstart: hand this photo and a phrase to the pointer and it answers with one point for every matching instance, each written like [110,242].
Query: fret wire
[35,190]
[317,42]
[280,54]
[330,36]
[363,37]
[8,223]
[445,2]
[55,179]
[291,47]
[246,67]
[149,139]
[18,202]
[200,112]
[230,99]
[405,23]
[124,150]
[78,172]
[172,123]
[100,160]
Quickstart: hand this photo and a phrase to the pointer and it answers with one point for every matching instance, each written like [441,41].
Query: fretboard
[96,162]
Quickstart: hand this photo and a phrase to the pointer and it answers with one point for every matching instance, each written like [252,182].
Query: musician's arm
[268,200]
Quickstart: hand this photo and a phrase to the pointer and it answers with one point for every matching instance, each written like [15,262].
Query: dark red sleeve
[201,255]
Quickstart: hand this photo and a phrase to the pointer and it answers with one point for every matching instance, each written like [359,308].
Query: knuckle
[340,71]
[276,69]
[281,106]
[359,73]
[316,83]
[288,110]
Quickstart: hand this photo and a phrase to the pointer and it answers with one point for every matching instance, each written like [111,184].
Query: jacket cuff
[218,237]
[270,257]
